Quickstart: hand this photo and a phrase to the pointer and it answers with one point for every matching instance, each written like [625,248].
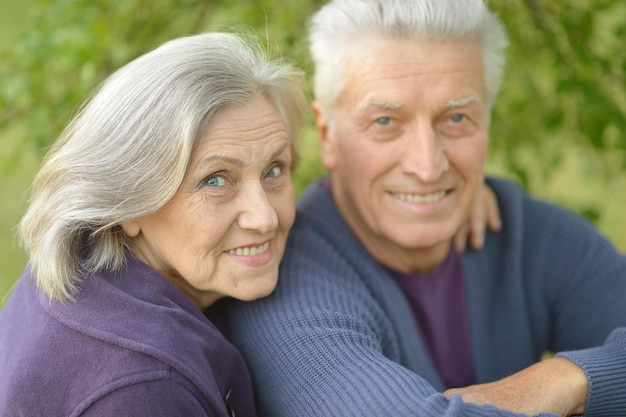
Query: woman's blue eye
[274,171]
[385,121]
[215,181]
[457,118]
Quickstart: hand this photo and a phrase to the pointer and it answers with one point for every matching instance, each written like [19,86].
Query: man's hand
[556,386]
[483,213]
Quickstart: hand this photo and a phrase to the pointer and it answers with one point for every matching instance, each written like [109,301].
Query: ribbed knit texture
[337,337]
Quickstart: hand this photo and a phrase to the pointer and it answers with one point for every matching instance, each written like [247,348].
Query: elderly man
[375,313]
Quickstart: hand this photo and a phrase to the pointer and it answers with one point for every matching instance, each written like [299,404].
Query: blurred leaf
[591,213]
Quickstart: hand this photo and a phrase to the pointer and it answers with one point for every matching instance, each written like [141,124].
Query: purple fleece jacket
[130,345]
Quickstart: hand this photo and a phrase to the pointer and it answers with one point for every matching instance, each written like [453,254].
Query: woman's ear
[325,138]
[131,228]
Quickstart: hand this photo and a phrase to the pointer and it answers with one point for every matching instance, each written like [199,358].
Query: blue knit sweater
[337,337]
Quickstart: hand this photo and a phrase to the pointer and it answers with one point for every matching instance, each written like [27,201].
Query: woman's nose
[256,210]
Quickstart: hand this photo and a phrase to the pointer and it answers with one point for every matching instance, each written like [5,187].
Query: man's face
[408,148]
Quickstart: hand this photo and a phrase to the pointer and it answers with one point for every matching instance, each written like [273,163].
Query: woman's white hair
[341,23]
[126,152]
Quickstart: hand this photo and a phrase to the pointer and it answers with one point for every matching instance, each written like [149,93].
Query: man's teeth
[250,251]
[421,198]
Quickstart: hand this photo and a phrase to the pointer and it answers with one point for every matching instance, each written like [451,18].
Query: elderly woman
[169,190]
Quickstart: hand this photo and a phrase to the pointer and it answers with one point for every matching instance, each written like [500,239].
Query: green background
[559,126]
[14,177]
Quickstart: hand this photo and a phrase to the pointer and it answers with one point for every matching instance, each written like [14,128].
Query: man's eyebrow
[453,104]
[379,105]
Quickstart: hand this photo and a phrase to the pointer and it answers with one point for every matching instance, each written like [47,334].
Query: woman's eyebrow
[280,150]
[220,158]
[236,161]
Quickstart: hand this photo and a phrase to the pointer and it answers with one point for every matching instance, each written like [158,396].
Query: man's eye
[215,181]
[457,118]
[385,121]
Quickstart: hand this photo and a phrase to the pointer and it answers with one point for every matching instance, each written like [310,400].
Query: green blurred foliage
[564,85]
[72,45]
[559,125]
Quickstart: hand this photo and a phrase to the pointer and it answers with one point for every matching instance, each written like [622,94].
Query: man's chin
[426,237]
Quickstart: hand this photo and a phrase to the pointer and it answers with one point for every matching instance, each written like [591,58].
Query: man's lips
[420,198]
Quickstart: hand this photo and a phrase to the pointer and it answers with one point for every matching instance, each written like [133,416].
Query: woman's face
[224,231]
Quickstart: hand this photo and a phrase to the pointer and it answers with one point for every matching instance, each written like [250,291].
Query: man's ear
[325,137]
[131,228]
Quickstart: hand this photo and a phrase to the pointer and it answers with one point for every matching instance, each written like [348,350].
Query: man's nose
[424,155]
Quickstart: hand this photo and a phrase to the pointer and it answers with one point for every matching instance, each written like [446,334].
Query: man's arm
[555,385]
[560,385]
[326,364]
[322,345]
[574,282]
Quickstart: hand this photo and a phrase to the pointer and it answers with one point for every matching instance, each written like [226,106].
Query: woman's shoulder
[109,338]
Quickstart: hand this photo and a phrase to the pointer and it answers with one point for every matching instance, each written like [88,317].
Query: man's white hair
[340,24]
